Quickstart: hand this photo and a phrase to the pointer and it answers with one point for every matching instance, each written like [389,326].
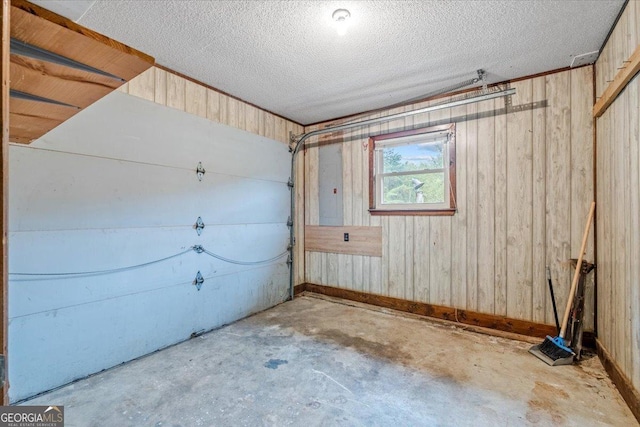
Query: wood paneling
[524,181]
[46,30]
[618,198]
[362,240]
[173,90]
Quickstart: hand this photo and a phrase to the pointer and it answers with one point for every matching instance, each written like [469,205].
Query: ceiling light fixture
[341,16]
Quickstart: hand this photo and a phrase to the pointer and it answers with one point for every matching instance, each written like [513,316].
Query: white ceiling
[286,56]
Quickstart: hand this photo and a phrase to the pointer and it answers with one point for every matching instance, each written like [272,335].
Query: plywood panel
[160,88]
[196,99]
[539,292]
[581,173]
[618,224]
[144,85]
[45,30]
[40,27]
[440,244]
[311,167]
[362,240]
[621,189]
[25,127]
[463,286]
[59,83]
[500,212]
[486,207]
[470,245]
[397,273]
[213,105]
[519,201]
[175,91]
[634,227]
[558,137]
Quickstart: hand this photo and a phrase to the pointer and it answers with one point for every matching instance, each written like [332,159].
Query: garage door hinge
[198,281]
[199,226]
[289,222]
[200,171]
[290,183]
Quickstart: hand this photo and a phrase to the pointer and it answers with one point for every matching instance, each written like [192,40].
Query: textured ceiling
[287,57]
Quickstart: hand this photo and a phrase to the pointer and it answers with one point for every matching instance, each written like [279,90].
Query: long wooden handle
[576,275]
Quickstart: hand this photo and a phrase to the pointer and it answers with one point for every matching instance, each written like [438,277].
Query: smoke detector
[584,59]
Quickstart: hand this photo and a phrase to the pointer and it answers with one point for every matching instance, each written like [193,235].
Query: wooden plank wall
[618,198]
[175,91]
[524,186]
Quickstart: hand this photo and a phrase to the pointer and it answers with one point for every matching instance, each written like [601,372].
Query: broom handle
[574,283]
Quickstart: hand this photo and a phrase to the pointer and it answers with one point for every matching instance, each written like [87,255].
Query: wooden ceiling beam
[53,33]
[61,21]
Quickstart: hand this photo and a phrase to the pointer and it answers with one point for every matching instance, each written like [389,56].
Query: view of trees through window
[426,185]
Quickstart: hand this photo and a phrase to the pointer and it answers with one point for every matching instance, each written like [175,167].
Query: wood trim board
[5,17]
[466,317]
[626,389]
[362,240]
[620,81]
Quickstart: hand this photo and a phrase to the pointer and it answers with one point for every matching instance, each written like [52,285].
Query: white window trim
[438,133]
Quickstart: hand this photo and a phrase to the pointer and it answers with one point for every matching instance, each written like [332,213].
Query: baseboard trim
[467,317]
[626,389]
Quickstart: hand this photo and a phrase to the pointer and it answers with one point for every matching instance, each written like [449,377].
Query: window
[413,172]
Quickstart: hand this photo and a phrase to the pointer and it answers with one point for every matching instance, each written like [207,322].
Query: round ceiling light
[341,16]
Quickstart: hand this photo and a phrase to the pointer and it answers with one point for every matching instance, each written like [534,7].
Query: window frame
[375,180]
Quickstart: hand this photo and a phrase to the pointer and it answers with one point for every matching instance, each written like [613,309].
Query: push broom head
[553,351]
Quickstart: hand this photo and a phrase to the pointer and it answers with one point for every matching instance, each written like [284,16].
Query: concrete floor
[319,362]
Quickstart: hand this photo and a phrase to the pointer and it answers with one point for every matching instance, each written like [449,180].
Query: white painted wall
[116,186]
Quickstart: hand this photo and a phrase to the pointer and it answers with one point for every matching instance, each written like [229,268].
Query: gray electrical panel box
[330,184]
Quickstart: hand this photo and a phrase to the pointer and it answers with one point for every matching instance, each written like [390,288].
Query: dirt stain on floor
[364,346]
[390,345]
[547,399]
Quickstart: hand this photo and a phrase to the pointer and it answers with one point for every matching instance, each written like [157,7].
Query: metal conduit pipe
[300,142]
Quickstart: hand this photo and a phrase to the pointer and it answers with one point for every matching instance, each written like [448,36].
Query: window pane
[406,158]
[405,189]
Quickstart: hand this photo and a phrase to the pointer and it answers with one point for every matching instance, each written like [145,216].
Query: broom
[555,348]
[553,300]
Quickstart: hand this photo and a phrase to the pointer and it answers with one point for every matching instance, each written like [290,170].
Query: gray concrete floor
[314,361]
